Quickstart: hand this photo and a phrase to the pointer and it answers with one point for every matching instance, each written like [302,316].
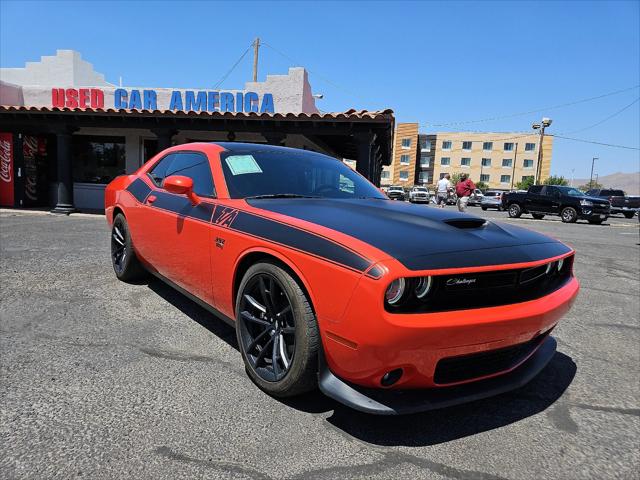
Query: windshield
[572,192]
[419,189]
[292,173]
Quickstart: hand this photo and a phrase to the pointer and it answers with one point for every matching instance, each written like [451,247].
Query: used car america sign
[177,100]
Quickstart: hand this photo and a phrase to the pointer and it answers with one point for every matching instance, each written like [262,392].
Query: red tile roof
[348,115]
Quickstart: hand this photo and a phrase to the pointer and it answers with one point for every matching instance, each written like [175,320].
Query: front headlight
[423,287]
[395,291]
[586,203]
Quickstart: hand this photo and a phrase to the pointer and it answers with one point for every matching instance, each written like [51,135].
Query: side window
[159,172]
[196,167]
[537,189]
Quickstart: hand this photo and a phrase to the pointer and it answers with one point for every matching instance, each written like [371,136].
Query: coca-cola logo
[5,161]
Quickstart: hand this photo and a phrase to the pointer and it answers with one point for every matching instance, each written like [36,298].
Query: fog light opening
[391,377]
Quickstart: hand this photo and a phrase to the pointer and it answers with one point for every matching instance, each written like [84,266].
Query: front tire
[126,265]
[277,331]
[569,215]
[515,211]
[484,208]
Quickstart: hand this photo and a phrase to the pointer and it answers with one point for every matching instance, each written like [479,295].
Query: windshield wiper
[280,195]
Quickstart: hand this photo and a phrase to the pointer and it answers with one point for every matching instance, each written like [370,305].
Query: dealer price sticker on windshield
[242,164]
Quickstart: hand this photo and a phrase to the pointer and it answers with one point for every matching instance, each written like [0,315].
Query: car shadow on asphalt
[421,429]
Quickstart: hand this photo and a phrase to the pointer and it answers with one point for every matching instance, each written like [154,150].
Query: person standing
[464,189]
[442,192]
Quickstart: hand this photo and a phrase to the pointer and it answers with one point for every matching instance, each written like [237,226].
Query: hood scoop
[466,222]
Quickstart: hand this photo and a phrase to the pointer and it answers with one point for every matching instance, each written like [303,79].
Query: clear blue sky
[431,62]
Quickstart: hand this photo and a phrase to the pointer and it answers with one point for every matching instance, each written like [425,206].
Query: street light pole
[542,125]
[593,160]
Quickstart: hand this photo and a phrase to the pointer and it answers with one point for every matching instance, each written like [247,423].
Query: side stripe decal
[254,225]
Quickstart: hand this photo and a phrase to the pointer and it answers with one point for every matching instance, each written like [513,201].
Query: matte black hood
[421,237]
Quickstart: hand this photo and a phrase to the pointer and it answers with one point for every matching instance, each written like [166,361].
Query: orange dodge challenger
[388,307]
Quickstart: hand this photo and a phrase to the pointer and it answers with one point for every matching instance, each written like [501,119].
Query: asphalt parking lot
[101,379]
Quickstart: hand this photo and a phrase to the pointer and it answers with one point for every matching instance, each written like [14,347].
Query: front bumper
[398,402]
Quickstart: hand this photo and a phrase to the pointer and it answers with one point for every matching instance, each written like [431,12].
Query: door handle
[151,198]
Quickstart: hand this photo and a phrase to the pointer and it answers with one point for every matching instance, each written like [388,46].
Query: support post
[164,136]
[364,162]
[275,138]
[64,193]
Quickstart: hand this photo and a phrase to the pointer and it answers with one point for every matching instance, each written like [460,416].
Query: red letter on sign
[72,98]
[84,97]
[97,98]
[57,97]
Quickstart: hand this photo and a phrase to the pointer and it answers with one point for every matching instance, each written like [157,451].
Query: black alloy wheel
[126,265]
[268,327]
[277,331]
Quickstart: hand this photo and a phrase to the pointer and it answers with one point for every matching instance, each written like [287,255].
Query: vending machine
[7,170]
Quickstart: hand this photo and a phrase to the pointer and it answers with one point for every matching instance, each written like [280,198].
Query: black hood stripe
[139,189]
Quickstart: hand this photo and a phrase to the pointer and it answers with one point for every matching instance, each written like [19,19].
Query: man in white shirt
[442,192]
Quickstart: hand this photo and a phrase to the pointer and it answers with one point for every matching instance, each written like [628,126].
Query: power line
[538,110]
[596,143]
[224,77]
[605,119]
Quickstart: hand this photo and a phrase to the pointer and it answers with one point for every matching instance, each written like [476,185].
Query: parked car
[492,199]
[396,192]
[619,200]
[568,202]
[476,198]
[341,288]
[419,194]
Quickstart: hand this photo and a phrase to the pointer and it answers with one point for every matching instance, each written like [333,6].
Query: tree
[553,180]
[525,183]
[455,178]
[589,186]
[482,186]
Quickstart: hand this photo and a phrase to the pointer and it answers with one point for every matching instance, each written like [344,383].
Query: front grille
[487,289]
[467,367]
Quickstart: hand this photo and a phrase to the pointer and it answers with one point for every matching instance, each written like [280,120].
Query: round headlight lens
[395,291]
[423,287]
[560,264]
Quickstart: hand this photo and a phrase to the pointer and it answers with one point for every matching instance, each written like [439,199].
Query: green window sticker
[241,164]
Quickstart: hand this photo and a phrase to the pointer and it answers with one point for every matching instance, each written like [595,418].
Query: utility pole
[256,47]
[513,170]
[542,125]
[593,160]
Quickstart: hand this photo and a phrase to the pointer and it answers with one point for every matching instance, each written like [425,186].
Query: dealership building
[500,160]
[65,132]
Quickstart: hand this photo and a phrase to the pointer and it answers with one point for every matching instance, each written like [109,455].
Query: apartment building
[500,160]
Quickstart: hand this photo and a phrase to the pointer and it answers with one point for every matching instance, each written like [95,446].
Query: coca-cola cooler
[7,170]
[34,157]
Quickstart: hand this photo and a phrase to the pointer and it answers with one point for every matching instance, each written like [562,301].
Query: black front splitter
[380,401]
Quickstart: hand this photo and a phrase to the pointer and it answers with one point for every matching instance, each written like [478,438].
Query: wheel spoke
[116,239]
[118,233]
[255,303]
[256,340]
[286,309]
[247,316]
[275,350]
[283,352]
[263,351]
[289,330]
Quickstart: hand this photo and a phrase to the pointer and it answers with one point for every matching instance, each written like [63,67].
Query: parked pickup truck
[568,202]
[620,202]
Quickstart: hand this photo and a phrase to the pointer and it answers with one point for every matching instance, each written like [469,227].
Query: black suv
[568,202]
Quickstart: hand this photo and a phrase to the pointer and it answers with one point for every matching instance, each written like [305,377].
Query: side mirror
[181,185]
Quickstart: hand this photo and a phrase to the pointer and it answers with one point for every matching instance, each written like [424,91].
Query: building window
[385,175]
[528,163]
[529,147]
[465,162]
[466,145]
[485,177]
[406,143]
[404,176]
[505,178]
[425,162]
[97,159]
[424,177]
[507,162]
[486,162]
[487,146]
[445,161]
[425,145]
[446,145]
[404,159]
[508,147]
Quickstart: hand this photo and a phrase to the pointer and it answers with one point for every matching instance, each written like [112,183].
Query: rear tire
[629,214]
[126,265]
[277,331]
[515,211]
[569,215]
[484,208]
[537,216]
